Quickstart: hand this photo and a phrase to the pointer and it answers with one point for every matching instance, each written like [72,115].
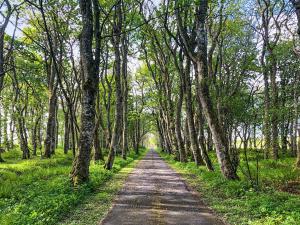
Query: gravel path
[154,194]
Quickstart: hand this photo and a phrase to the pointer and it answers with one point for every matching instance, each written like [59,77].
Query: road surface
[154,194]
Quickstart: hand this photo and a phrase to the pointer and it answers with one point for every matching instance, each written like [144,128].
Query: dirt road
[154,194]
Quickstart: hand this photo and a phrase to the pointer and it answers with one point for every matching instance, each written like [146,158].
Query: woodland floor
[38,192]
[155,194]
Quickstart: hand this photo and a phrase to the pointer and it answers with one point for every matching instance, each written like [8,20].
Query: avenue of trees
[206,77]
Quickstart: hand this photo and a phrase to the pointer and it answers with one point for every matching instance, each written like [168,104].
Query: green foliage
[38,191]
[237,202]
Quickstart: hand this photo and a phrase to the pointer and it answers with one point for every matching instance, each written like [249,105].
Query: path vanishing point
[154,194]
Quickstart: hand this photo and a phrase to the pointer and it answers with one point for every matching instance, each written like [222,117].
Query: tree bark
[2,33]
[5,134]
[49,144]
[199,59]
[296,121]
[66,132]
[97,146]
[201,140]
[114,147]
[296,4]
[187,139]
[125,94]
[23,138]
[160,134]
[274,116]
[190,118]
[182,155]
[80,170]
[34,138]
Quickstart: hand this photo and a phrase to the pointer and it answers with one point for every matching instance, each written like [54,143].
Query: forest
[150,112]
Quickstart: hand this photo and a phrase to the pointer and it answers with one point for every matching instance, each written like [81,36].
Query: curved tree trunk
[199,59]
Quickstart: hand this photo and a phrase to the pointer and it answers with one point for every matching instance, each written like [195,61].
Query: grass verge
[237,202]
[38,191]
[96,206]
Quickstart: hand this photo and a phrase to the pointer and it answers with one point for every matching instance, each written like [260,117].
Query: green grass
[237,202]
[95,207]
[38,191]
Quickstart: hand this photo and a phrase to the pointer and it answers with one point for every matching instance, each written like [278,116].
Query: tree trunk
[201,142]
[12,129]
[5,135]
[97,147]
[296,116]
[274,117]
[189,115]
[67,132]
[56,130]
[266,128]
[298,149]
[73,138]
[114,147]
[51,123]
[3,25]
[125,96]
[1,159]
[39,138]
[201,70]
[160,134]
[35,136]
[296,4]
[182,155]
[137,136]
[23,138]
[187,139]
[293,135]
[80,170]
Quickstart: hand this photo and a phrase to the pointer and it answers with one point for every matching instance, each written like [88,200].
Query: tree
[116,39]
[2,33]
[80,170]
[296,4]
[199,59]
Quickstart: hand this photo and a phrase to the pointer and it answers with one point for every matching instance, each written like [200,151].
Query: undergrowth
[38,191]
[237,201]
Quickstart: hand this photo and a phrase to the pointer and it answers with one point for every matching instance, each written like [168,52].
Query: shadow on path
[154,194]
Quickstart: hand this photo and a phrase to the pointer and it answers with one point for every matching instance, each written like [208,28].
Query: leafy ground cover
[277,200]
[38,191]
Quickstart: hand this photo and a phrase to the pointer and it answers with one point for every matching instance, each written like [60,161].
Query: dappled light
[149,112]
